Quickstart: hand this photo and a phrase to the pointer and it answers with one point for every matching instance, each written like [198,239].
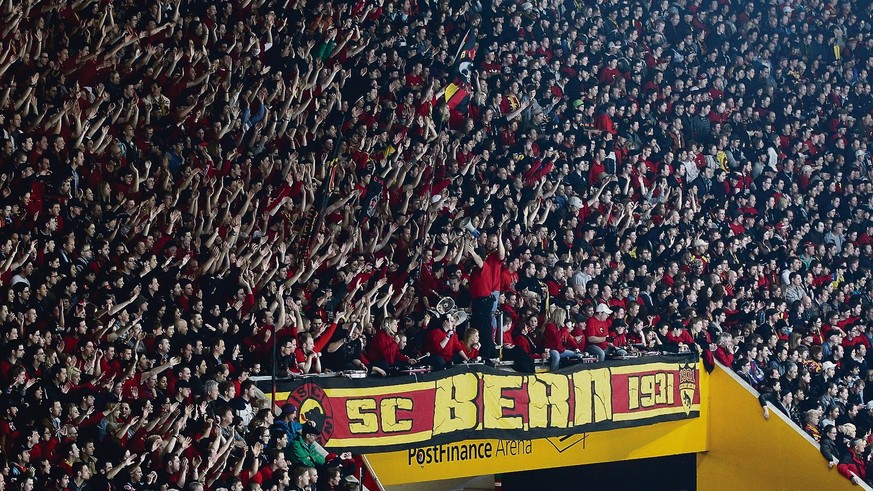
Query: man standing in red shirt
[604,121]
[485,282]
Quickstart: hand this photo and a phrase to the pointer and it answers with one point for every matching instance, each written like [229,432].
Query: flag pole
[275,364]
[461,46]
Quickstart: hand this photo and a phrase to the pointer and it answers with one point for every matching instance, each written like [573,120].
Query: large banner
[479,402]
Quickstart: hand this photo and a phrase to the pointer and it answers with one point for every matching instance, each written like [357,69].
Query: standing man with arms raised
[485,280]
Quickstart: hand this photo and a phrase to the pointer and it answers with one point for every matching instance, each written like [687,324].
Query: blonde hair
[468,336]
[847,429]
[558,316]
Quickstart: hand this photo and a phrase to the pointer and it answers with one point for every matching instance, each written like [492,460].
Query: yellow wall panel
[748,452]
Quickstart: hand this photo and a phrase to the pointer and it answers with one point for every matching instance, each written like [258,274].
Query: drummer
[471,344]
[385,350]
[344,352]
[441,341]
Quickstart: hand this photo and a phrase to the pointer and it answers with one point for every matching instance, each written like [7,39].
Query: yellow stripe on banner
[652,413]
[280,396]
[367,391]
[450,90]
[378,391]
[649,367]
[378,441]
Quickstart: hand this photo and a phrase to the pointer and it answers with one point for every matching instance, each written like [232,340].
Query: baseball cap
[289,408]
[603,309]
[7,403]
[310,430]
[828,364]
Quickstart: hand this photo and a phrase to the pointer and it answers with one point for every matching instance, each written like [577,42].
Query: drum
[627,356]
[419,370]
[320,375]
[355,373]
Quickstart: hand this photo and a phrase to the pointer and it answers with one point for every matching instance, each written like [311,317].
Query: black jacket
[830,450]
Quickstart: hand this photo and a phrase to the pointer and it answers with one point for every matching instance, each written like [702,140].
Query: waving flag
[457,97]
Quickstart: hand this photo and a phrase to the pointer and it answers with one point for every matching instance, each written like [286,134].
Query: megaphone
[445,305]
[465,224]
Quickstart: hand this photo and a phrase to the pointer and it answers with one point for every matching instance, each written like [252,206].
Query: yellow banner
[478,402]
[470,458]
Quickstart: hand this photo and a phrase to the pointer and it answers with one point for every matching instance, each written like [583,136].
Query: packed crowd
[184,183]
